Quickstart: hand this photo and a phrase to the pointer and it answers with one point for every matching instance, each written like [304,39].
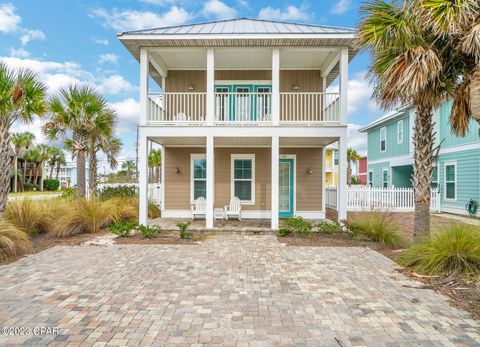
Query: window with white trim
[434,178]
[385,178]
[370,178]
[450,181]
[400,131]
[383,139]
[198,177]
[243,177]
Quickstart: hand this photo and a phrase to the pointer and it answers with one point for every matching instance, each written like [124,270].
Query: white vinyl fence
[360,198]
[154,190]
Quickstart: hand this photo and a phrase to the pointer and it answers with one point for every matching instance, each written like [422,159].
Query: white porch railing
[248,107]
[309,107]
[154,190]
[176,107]
[361,198]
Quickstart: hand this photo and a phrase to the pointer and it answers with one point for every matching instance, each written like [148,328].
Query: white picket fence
[154,190]
[361,198]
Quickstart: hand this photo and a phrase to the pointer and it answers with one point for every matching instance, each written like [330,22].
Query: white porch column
[210,86]
[143,85]
[162,178]
[142,178]
[275,86]
[342,177]
[210,182]
[274,188]
[324,176]
[343,85]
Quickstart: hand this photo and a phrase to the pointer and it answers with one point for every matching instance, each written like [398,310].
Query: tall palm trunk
[15,169]
[92,174]
[349,172]
[40,170]
[50,175]
[81,174]
[5,166]
[475,95]
[422,170]
[58,172]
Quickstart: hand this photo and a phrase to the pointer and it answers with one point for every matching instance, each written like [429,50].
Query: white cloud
[290,13]
[9,21]
[341,6]
[108,58]
[128,111]
[218,9]
[136,20]
[356,139]
[115,84]
[19,53]
[35,128]
[32,34]
[103,42]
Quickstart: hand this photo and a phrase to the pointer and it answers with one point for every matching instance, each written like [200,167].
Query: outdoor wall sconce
[191,87]
[295,86]
[309,171]
[177,170]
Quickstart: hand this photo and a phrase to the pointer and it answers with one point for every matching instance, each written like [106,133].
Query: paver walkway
[231,289]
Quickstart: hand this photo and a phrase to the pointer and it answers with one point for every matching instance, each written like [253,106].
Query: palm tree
[19,141]
[415,62]
[55,154]
[130,166]
[154,163]
[22,97]
[44,154]
[81,112]
[32,156]
[352,155]
[111,148]
[60,162]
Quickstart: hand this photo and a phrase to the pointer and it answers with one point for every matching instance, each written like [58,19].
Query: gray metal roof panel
[243,26]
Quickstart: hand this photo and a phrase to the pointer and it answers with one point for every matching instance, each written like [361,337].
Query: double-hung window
[400,131]
[198,184]
[370,178]
[434,177]
[450,181]
[243,177]
[383,139]
[385,178]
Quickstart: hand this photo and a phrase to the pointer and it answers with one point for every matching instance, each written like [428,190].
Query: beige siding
[308,186]
[181,80]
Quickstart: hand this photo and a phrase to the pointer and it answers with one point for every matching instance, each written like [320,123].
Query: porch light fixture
[177,170]
[191,87]
[295,86]
[309,171]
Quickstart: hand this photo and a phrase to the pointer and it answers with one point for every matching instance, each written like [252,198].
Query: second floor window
[383,139]
[400,131]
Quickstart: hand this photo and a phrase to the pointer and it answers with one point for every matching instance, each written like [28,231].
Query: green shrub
[30,187]
[329,227]
[51,184]
[184,234]
[149,232]
[117,192]
[452,251]
[296,226]
[122,228]
[13,241]
[378,227]
[69,194]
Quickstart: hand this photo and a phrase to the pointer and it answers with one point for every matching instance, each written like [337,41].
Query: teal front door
[286,188]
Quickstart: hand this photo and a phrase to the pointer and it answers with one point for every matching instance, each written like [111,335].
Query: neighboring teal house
[456,172]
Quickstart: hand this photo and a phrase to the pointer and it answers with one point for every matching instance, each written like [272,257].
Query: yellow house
[331,167]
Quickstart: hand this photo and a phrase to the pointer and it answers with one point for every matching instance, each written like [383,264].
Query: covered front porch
[272,176]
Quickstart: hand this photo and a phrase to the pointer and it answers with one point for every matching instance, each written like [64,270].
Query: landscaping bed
[165,238]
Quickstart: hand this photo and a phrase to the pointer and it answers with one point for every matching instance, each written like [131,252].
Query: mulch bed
[462,293]
[162,239]
[42,242]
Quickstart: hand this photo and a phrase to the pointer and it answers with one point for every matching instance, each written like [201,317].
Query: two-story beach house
[457,169]
[241,109]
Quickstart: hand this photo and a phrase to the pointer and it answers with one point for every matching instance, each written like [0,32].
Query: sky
[75,41]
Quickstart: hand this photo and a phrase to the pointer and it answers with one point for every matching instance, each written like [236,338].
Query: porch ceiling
[245,141]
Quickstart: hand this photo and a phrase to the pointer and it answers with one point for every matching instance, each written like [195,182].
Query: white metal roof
[242,26]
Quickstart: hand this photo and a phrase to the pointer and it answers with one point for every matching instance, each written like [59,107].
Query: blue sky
[74,41]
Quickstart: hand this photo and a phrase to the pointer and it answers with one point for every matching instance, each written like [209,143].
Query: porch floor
[231,225]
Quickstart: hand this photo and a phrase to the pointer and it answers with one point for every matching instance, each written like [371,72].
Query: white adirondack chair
[234,209]
[199,207]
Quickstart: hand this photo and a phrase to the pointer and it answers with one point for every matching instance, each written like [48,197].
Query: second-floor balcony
[243,108]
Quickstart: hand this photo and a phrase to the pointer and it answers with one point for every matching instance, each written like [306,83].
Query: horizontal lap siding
[181,80]
[177,185]
[309,186]
[377,170]
[308,189]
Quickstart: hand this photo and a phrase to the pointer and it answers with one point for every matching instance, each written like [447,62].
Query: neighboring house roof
[387,118]
[242,32]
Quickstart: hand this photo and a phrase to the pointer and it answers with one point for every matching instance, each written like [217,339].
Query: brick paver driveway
[231,289]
